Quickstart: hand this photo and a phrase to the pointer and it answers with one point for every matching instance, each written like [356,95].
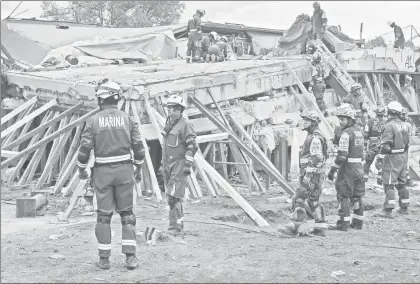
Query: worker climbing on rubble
[319,20]
[206,42]
[358,101]
[318,89]
[373,135]
[111,134]
[350,185]
[399,35]
[394,144]
[194,36]
[306,199]
[179,148]
[408,129]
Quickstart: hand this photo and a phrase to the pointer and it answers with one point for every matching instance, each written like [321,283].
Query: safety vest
[305,160]
[398,142]
[193,24]
[375,128]
[353,144]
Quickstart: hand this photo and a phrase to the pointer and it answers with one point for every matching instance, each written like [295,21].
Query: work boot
[188,60]
[213,58]
[322,232]
[338,227]
[385,213]
[131,261]
[353,226]
[403,211]
[289,230]
[103,263]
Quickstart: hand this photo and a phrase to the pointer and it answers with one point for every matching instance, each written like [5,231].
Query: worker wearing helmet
[373,135]
[394,144]
[319,20]
[317,87]
[206,42]
[358,101]
[179,148]
[350,185]
[312,158]
[112,134]
[399,35]
[194,35]
[218,52]
[408,132]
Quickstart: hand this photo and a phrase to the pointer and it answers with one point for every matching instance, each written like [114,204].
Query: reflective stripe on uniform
[397,151]
[381,156]
[128,242]
[354,160]
[104,246]
[405,200]
[189,158]
[80,165]
[321,225]
[305,160]
[137,162]
[113,159]
[357,216]
[391,201]
[347,219]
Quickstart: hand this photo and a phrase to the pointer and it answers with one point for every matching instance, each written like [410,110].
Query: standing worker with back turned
[194,36]
[350,185]
[179,148]
[306,198]
[111,134]
[399,35]
[394,144]
[319,20]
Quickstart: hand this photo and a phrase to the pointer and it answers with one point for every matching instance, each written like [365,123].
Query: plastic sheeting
[262,42]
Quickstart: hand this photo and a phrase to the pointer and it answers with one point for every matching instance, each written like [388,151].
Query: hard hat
[225,38]
[408,78]
[394,107]
[346,110]
[201,11]
[355,87]
[311,114]
[316,4]
[214,34]
[175,100]
[108,89]
[380,111]
[390,23]
[319,80]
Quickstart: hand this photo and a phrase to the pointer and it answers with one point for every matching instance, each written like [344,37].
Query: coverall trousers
[193,44]
[113,187]
[394,175]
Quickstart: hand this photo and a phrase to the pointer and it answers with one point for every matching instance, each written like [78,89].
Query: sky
[282,14]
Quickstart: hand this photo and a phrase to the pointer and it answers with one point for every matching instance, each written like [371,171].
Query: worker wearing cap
[399,35]
[358,101]
[312,158]
[179,148]
[408,132]
[194,35]
[319,20]
[350,185]
[373,135]
[112,134]
[394,143]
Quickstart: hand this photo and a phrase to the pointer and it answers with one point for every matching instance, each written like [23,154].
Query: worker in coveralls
[111,134]
[206,42]
[306,198]
[319,20]
[218,52]
[399,35]
[358,101]
[372,135]
[394,144]
[349,184]
[318,89]
[408,128]
[194,36]
[179,148]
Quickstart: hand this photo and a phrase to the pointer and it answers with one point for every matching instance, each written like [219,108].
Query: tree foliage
[116,13]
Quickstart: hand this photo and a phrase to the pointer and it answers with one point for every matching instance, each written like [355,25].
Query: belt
[396,151]
[97,165]
[354,160]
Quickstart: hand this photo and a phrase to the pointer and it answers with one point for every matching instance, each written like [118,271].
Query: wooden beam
[49,138]
[369,88]
[18,110]
[65,173]
[8,154]
[212,137]
[12,136]
[28,118]
[378,90]
[73,147]
[44,126]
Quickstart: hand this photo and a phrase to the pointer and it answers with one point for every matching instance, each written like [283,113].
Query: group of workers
[387,136]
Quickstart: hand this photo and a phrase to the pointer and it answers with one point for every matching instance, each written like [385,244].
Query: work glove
[379,181]
[310,89]
[187,170]
[331,173]
[83,173]
[137,174]
[366,178]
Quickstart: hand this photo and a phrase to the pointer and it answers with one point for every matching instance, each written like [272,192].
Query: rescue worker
[179,148]
[111,134]
[206,42]
[319,20]
[349,184]
[394,142]
[306,199]
[399,35]
[194,35]
[408,131]
[318,89]
[358,101]
[219,51]
[373,135]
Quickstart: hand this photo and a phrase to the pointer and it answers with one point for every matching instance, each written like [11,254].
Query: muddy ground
[386,251]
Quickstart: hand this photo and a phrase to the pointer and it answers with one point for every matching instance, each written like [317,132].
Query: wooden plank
[196,185]
[212,137]
[191,188]
[283,156]
[8,153]
[369,88]
[18,110]
[223,160]
[28,118]
[155,184]
[378,90]
[65,173]
[44,126]
[49,138]
[73,147]
[79,182]
[25,129]
[233,193]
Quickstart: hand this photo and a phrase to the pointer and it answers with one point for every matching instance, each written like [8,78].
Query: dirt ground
[386,251]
